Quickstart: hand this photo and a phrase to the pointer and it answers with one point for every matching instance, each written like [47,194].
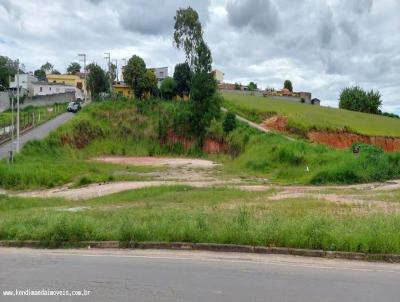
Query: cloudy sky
[321,45]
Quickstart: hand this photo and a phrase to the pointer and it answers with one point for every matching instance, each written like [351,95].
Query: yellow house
[123,89]
[77,81]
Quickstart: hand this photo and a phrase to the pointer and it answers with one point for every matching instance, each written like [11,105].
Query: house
[161,74]
[77,81]
[41,88]
[316,102]
[25,83]
[226,86]
[218,75]
[286,94]
[123,89]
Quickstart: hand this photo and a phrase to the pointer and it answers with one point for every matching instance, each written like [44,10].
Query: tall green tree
[357,99]
[74,68]
[8,67]
[188,33]
[47,67]
[96,80]
[40,74]
[204,103]
[182,76]
[252,86]
[150,82]
[135,75]
[288,85]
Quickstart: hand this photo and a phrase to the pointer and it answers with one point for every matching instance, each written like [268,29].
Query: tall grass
[201,215]
[299,162]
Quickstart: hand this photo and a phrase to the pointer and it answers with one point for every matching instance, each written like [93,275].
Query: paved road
[37,133]
[117,275]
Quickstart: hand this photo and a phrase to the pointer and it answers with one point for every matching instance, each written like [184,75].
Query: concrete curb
[213,247]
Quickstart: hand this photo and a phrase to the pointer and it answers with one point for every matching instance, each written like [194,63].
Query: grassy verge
[186,214]
[305,117]
[42,111]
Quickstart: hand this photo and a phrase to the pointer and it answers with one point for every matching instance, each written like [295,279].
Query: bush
[215,131]
[237,141]
[289,156]
[229,123]
[168,88]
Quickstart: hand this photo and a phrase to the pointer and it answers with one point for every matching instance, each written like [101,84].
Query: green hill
[306,117]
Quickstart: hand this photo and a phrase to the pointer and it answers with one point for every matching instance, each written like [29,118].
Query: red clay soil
[278,123]
[339,139]
[343,140]
[213,146]
[210,146]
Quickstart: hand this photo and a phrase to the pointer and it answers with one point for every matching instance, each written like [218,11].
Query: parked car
[73,107]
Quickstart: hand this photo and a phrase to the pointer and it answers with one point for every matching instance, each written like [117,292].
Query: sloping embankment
[337,139]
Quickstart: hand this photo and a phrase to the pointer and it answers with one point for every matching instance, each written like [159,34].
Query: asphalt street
[37,133]
[123,275]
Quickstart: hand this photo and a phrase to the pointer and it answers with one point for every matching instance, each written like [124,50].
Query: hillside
[126,128]
[306,117]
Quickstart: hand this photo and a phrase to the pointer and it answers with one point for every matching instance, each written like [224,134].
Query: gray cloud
[260,16]
[155,17]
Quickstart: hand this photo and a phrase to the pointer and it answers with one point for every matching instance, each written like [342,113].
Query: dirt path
[98,190]
[199,173]
[158,161]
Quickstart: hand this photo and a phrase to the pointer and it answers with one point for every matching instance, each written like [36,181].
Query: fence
[243,92]
[27,120]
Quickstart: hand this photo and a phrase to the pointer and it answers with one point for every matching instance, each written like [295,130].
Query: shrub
[237,141]
[289,156]
[229,123]
[215,131]
[168,88]
[83,181]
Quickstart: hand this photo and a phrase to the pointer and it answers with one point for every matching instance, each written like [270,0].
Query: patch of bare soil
[356,198]
[98,190]
[158,161]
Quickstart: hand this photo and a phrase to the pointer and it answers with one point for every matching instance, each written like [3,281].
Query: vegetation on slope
[305,117]
[141,128]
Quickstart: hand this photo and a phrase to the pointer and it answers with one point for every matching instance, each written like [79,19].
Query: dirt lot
[201,173]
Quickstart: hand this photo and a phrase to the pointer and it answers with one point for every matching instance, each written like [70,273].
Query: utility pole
[122,69]
[108,58]
[83,55]
[12,120]
[116,68]
[17,106]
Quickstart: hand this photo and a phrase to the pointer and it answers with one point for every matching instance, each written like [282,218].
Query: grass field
[306,117]
[184,214]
